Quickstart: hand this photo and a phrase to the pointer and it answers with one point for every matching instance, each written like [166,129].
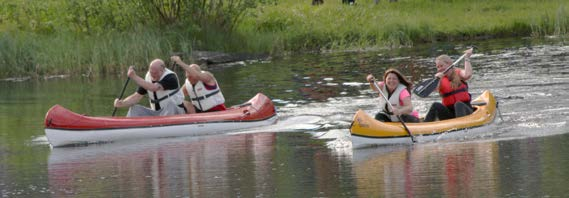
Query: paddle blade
[425,88]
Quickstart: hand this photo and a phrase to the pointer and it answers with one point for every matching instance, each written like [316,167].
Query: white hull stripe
[59,137]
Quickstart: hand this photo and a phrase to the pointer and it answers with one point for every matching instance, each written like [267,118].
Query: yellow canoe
[367,129]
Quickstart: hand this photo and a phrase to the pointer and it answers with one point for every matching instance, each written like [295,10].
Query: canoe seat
[479,103]
[242,105]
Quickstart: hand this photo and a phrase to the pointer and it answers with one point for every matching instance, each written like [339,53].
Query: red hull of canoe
[258,108]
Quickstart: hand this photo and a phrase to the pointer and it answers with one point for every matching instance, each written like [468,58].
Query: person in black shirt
[163,90]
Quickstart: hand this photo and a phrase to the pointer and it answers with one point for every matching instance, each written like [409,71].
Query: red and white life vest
[450,95]
[202,98]
[162,97]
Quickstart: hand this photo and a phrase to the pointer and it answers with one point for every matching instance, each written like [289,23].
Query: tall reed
[104,37]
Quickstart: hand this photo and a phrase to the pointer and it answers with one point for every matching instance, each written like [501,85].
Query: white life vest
[202,98]
[394,100]
[162,97]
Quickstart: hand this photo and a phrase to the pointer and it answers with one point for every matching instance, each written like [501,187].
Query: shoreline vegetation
[94,37]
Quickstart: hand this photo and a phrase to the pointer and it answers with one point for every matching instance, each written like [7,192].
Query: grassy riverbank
[404,23]
[43,43]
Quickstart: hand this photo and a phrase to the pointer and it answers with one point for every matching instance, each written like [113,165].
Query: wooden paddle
[391,106]
[426,87]
[121,95]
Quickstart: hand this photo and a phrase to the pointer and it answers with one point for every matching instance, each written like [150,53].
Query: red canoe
[64,127]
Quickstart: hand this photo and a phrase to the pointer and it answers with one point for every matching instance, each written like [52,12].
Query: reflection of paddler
[202,88]
[473,166]
[450,169]
[383,173]
[197,162]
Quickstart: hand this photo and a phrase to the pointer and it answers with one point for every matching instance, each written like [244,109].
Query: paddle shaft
[122,93]
[391,106]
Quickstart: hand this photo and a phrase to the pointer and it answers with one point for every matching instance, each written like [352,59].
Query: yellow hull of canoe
[367,126]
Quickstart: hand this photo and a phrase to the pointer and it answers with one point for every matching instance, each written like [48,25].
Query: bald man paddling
[162,87]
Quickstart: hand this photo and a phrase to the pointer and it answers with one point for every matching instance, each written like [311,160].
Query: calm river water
[308,152]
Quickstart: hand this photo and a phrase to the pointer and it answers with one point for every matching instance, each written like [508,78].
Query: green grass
[49,41]
[298,25]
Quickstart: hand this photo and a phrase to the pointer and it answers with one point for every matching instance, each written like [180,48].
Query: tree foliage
[223,14]
[93,16]
[90,16]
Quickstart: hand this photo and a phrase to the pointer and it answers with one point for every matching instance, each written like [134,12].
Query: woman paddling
[397,88]
[452,88]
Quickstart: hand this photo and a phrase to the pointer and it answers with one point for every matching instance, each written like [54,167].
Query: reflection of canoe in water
[64,127]
[367,130]
[156,166]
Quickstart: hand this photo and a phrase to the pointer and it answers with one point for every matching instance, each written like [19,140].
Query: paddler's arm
[180,63]
[204,76]
[143,83]
[194,69]
[128,101]
[407,107]
[466,73]
[190,109]
[438,75]
[370,79]
[188,103]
